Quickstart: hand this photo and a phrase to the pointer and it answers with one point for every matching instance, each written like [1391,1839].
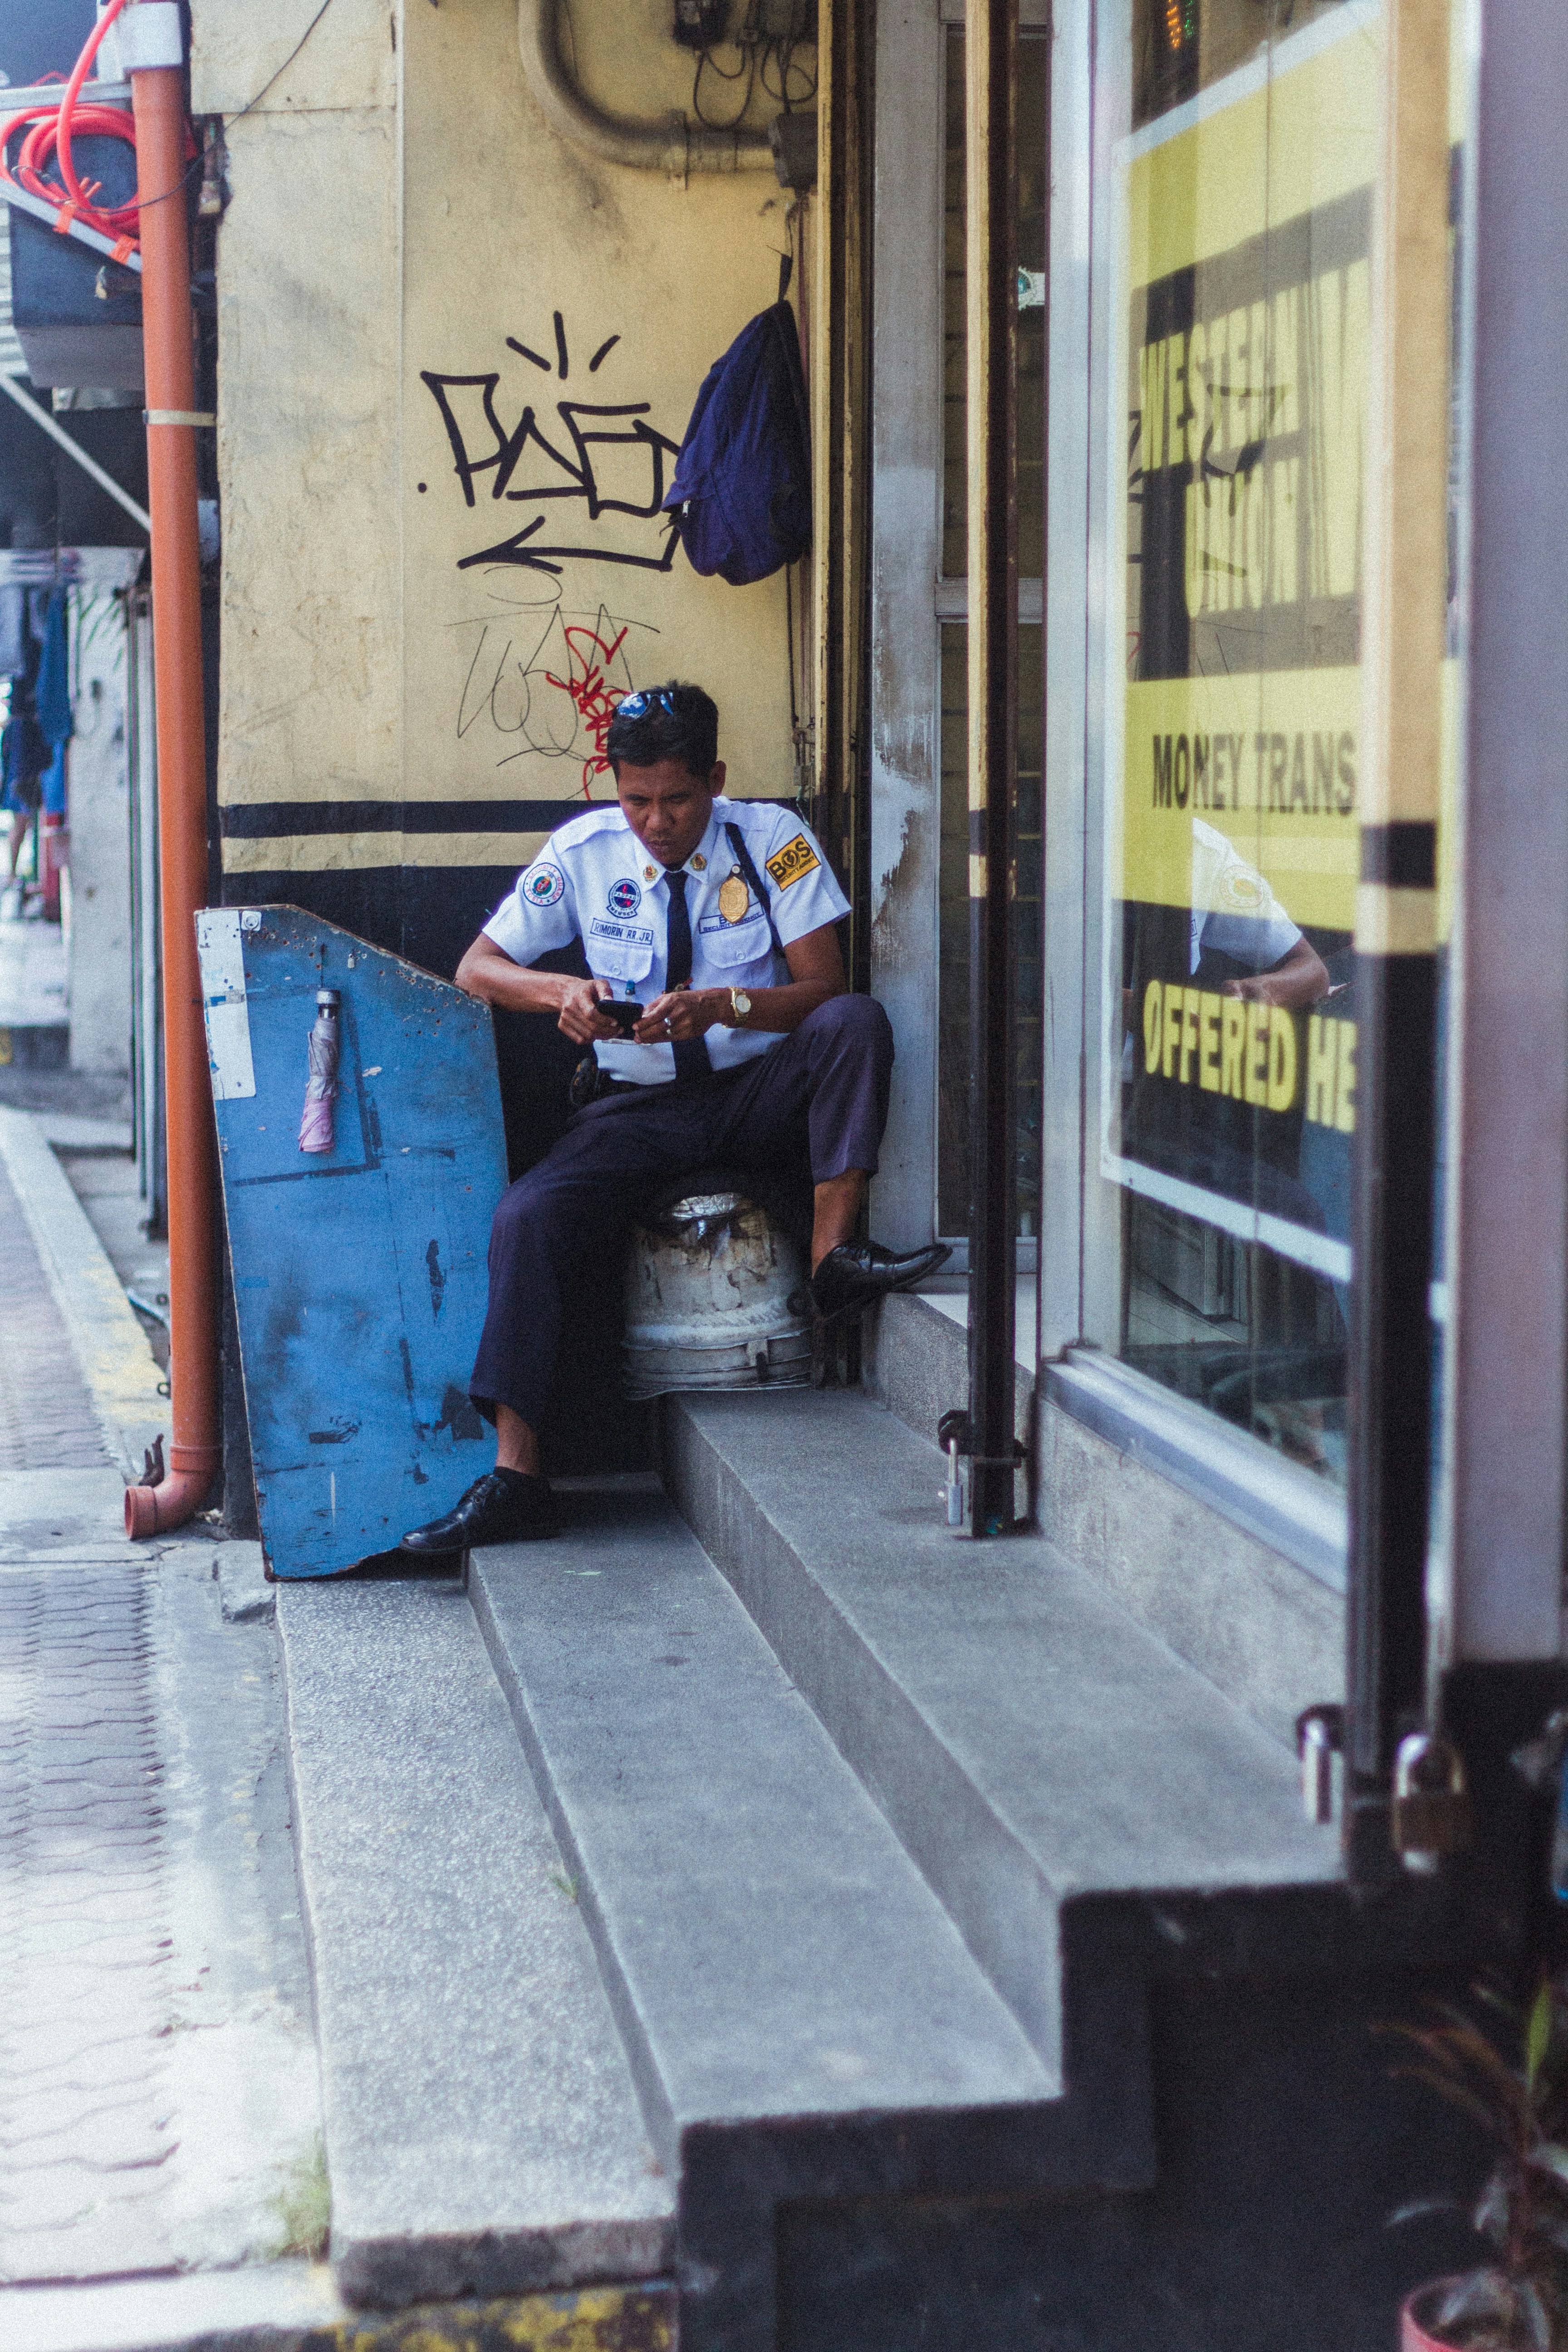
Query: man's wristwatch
[740,1005]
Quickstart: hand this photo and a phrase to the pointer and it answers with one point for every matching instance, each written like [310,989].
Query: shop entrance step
[1036,1751]
[801,2013]
[483,2135]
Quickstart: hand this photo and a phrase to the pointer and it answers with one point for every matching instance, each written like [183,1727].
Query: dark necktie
[690,1052]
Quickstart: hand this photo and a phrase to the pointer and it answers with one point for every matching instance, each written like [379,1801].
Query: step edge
[1039,2016]
[647,2079]
[391,2274]
[363,2264]
[1067,1885]
[620,1984]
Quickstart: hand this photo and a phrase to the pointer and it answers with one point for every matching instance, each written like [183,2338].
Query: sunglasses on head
[639,705]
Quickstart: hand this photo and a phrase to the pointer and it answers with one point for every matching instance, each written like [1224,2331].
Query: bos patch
[796,859]
[544,885]
[626,897]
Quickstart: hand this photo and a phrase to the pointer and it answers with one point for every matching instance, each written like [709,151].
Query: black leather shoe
[857,1273]
[495,1510]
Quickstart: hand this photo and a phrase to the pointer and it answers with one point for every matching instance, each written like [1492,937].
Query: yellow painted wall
[308,289]
[399,206]
[505,227]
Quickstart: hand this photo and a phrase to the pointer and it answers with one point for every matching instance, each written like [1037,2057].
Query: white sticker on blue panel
[228,1016]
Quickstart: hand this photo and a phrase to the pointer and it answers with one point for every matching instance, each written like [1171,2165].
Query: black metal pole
[992,244]
[1405,581]
[1391,1348]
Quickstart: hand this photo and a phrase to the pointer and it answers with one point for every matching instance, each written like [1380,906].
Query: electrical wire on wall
[797,576]
[770,31]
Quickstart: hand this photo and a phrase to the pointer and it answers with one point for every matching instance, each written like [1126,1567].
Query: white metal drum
[716,1299]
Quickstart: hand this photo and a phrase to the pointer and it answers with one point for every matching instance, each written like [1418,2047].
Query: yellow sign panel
[1239,396]
[1247,314]
[1268,761]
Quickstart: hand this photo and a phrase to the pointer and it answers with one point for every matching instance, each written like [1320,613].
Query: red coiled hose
[50,140]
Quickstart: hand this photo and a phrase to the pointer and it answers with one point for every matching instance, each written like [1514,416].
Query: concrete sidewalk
[159,2109]
[164,2185]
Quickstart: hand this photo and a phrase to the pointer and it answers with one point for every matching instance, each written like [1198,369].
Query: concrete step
[483,2133]
[801,2013]
[1040,1755]
[1178,1515]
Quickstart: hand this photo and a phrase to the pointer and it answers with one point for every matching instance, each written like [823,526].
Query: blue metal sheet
[359,1273]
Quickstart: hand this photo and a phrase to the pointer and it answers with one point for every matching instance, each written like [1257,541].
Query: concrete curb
[110,1348]
[243,1589]
[295,2307]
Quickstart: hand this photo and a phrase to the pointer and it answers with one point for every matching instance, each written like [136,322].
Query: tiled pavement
[157,2083]
[84,1952]
[46,1420]
[86,2132]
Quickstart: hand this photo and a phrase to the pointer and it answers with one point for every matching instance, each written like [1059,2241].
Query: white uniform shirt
[1234,910]
[594,881]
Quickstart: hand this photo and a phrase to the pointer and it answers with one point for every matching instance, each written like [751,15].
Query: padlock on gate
[1431,1815]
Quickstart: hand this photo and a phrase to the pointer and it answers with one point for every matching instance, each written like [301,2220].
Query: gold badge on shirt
[734,898]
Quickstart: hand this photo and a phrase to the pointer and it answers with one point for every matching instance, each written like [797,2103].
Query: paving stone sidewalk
[86,2130]
[46,1420]
[159,2109]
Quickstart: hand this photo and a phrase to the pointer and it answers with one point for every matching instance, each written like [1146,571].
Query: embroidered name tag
[796,859]
[629,935]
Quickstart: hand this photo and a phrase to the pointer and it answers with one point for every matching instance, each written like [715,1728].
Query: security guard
[708,927]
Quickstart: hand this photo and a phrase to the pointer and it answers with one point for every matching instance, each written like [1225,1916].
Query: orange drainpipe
[157,94]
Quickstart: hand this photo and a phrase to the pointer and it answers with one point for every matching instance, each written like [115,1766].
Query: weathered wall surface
[401,221]
[621,288]
[308,295]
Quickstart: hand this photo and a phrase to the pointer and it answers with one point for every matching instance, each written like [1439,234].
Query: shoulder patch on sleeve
[543,884]
[796,859]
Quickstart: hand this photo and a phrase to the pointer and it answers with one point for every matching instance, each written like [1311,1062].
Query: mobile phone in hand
[624,1011]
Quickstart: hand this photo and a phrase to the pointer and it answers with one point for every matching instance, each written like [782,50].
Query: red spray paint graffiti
[592,697]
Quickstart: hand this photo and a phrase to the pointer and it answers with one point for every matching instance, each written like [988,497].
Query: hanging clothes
[51,696]
[23,749]
[54,783]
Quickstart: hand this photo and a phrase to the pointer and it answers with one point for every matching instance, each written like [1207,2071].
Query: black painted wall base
[1283,2148]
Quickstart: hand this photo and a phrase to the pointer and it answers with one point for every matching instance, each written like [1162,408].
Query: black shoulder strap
[753,879]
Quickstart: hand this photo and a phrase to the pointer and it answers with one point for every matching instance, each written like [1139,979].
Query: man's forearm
[515,987]
[778,1010]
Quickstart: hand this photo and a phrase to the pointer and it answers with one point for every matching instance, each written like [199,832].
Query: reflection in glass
[1180,47]
[1242,319]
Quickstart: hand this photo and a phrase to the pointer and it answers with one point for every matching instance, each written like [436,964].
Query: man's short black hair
[665,722]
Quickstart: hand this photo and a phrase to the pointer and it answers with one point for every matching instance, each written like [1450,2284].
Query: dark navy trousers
[818,1096]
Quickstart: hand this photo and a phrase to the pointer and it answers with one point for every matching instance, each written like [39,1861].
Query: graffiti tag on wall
[594,456]
[544,676]
[547,679]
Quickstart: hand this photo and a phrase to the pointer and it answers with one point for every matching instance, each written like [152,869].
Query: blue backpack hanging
[742,481]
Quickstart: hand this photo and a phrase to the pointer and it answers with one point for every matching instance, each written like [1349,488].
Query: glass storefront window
[1239,315]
